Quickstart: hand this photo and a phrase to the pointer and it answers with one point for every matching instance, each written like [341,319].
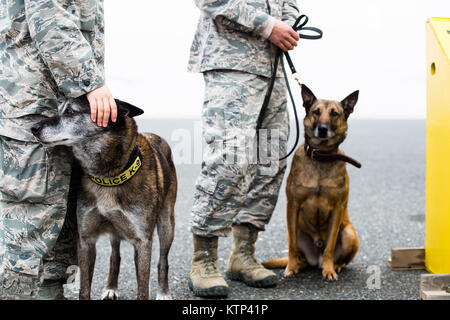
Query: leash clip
[296,77]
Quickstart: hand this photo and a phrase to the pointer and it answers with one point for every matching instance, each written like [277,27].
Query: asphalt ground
[386,206]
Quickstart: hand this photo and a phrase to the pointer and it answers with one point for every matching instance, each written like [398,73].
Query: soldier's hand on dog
[102,106]
[283,36]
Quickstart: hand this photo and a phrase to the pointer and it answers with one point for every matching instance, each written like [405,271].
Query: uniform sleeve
[66,52]
[241,13]
[290,12]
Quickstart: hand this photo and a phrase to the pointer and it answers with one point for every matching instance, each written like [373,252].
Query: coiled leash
[298,26]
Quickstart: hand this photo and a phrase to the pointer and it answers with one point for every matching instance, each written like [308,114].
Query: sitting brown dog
[320,233]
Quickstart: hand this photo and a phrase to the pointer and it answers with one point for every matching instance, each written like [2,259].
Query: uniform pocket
[23,171]
[206,184]
[220,187]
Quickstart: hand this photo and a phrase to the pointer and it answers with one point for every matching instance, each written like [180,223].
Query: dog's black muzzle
[37,128]
[322,130]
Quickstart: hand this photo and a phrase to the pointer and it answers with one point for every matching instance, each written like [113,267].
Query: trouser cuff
[223,232]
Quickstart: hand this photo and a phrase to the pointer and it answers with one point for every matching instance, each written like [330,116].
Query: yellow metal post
[437,230]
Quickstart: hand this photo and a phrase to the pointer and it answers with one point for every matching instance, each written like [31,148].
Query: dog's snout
[36,129]
[323,130]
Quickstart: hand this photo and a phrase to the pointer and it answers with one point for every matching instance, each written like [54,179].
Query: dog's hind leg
[142,260]
[165,225]
[346,247]
[111,290]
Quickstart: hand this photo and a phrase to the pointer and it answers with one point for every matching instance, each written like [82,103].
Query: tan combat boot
[243,265]
[205,279]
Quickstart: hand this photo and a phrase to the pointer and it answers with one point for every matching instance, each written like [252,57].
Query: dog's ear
[308,98]
[349,103]
[126,109]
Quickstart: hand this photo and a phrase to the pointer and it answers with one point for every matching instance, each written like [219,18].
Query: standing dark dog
[129,186]
[320,233]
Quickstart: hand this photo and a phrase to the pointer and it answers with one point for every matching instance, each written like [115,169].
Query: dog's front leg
[86,261]
[328,269]
[292,220]
[111,292]
[142,259]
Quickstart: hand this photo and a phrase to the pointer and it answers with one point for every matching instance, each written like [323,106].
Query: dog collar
[132,167]
[316,154]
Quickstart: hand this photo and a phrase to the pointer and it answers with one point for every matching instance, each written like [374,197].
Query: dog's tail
[276,263]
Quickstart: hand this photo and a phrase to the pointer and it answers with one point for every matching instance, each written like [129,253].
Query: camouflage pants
[233,187]
[37,241]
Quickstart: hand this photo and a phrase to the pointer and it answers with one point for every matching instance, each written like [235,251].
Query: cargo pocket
[220,188]
[23,171]
[206,184]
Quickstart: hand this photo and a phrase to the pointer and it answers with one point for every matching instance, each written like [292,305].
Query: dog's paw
[329,275]
[110,294]
[339,268]
[290,271]
[163,296]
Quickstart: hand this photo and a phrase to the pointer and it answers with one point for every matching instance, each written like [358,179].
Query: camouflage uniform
[232,51]
[49,49]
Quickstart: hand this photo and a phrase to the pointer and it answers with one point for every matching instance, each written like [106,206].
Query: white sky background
[377,47]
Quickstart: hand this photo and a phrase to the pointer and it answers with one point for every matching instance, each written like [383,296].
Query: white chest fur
[128,222]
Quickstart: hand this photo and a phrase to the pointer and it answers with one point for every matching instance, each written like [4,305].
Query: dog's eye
[316,112]
[333,113]
[70,111]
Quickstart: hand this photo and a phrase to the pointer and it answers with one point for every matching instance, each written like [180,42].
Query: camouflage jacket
[232,34]
[49,49]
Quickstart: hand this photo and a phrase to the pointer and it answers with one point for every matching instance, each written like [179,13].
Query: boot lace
[209,260]
[210,264]
[248,256]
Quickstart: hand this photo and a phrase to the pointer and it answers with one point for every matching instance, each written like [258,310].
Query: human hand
[102,106]
[283,36]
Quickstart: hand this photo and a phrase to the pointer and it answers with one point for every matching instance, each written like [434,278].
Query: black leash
[298,26]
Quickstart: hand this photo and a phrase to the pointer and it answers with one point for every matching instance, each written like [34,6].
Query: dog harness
[132,167]
[318,155]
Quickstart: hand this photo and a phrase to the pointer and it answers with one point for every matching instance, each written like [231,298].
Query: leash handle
[299,25]
[311,36]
